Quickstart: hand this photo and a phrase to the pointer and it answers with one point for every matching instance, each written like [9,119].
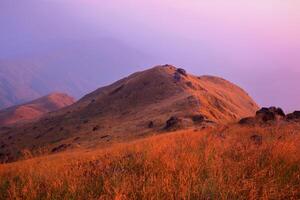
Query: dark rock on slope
[272,114]
[269,114]
[293,116]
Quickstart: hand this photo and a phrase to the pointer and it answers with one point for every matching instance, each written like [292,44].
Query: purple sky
[255,44]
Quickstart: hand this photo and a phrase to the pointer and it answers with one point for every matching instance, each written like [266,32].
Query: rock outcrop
[270,115]
[293,116]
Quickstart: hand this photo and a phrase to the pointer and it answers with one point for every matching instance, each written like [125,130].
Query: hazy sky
[255,44]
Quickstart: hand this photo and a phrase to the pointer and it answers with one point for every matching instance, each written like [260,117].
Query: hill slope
[34,109]
[145,103]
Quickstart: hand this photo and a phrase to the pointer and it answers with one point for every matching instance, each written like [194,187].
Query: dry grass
[218,164]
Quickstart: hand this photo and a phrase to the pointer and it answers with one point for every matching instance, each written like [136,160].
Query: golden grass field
[221,163]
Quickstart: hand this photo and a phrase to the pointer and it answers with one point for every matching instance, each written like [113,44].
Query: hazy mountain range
[74,67]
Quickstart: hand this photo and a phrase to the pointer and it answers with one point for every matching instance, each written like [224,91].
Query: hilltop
[34,109]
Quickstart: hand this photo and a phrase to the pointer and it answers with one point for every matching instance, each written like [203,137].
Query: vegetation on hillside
[232,162]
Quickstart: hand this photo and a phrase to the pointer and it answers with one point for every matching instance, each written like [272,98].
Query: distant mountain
[74,67]
[15,83]
[160,99]
[34,109]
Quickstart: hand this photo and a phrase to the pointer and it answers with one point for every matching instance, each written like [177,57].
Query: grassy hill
[145,103]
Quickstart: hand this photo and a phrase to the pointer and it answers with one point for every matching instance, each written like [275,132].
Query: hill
[163,98]
[34,109]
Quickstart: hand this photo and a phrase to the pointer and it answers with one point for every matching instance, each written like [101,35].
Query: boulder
[198,118]
[264,115]
[151,124]
[190,85]
[181,71]
[277,111]
[96,128]
[269,114]
[177,76]
[172,123]
[257,139]
[247,121]
[61,147]
[104,136]
[293,116]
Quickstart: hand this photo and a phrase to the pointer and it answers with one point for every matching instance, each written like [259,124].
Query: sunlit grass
[217,164]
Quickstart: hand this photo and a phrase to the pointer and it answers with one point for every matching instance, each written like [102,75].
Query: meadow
[221,163]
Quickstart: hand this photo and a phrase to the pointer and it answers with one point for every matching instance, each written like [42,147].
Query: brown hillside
[34,109]
[133,107]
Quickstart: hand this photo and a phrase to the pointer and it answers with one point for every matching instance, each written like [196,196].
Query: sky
[255,44]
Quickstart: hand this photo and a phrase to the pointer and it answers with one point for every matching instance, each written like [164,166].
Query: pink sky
[238,28]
